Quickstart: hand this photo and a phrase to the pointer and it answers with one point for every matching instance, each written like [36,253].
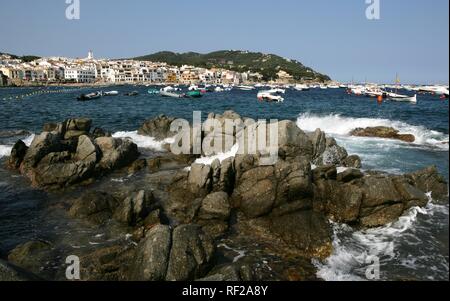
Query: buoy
[380,99]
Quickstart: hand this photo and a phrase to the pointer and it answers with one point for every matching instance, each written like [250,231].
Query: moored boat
[171,94]
[153,91]
[267,96]
[111,93]
[194,94]
[402,98]
[89,96]
[132,93]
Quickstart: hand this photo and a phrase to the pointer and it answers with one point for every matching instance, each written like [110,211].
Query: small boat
[275,91]
[133,93]
[246,88]
[402,98]
[169,89]
[111,93]
[194,94]
[265,95]
[300,87]
[219,89]
[90,96]
[171,94]
[153,91]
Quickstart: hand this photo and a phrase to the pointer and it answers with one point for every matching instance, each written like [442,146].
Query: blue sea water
[414,248]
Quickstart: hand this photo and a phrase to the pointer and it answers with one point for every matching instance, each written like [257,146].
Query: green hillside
[266,64]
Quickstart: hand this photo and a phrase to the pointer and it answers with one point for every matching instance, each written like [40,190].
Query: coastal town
[61,70]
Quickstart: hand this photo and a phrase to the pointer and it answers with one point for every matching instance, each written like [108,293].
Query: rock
[98,132]
[18,153]
[30,254]
[326,172]
[411,195]
[379,190]
[227,176]
[200,176]
[349,175]
[382,132]
[152,256]
[41,146]
[10,272]
[381,215]
[429,180]
[225,273]
[333,155]
[256,191]
[353,161]
[137,166]
[159,128]
[116,153]
[293,142]
[191,254]
[215,206]
[50,127]
[345,203]
[135,208]
[96,207]
[74,128]
[86,150]
[319,143]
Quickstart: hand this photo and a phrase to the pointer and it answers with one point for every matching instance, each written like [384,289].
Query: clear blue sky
[334,37]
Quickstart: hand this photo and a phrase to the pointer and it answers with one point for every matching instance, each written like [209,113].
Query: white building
[80,75]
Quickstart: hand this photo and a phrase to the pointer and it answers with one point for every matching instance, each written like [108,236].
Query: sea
[416,247]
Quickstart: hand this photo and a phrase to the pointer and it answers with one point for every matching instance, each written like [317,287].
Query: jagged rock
[382,132]
[74,128]
[344,203]
[429,180]
[152,256]
[353,161]
[349,175]
[191,254]
[96,207]
[99,132]
[41,146]
[29,255]
[381,215]
[215,206]
[18,153]
[10,272]
[135,208]
[319,143]
[50,127]
[116,153]
[327,172]
[200,176]
[293,142]
[159,128]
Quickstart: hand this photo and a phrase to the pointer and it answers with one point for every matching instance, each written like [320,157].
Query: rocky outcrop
[158,128]
[184,253]
[10,272]
[383,132]
[68,155]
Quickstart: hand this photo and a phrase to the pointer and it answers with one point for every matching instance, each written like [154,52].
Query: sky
[410,39]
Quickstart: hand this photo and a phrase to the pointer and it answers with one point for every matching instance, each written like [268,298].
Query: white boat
[111,93]
[265,95]
[219,89]
[193,88]
[301,87]
[323,87]
[171,94]
[246,88]
[168,89]
[275,91]
[402,98]
[333,87]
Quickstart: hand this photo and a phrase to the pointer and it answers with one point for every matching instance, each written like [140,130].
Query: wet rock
[381,215]
[17,155]
[383,132]
[429,180]
[152,256]
[30,254]
[293,142]
[191,254]
[50,127]
[10,272]
[326,172]
[96,207]
[41,146]
[99,132]
[353,161]
[74,128]
[135,208]
[137,166]
[345,203]
[159,128]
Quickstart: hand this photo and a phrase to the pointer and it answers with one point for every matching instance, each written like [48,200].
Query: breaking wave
[5,150]
[144,141]
[353,251]
[337,125]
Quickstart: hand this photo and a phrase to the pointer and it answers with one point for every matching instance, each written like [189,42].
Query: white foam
[5,150]
[351,250]
[221,156]
[144,141]
[337,125]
